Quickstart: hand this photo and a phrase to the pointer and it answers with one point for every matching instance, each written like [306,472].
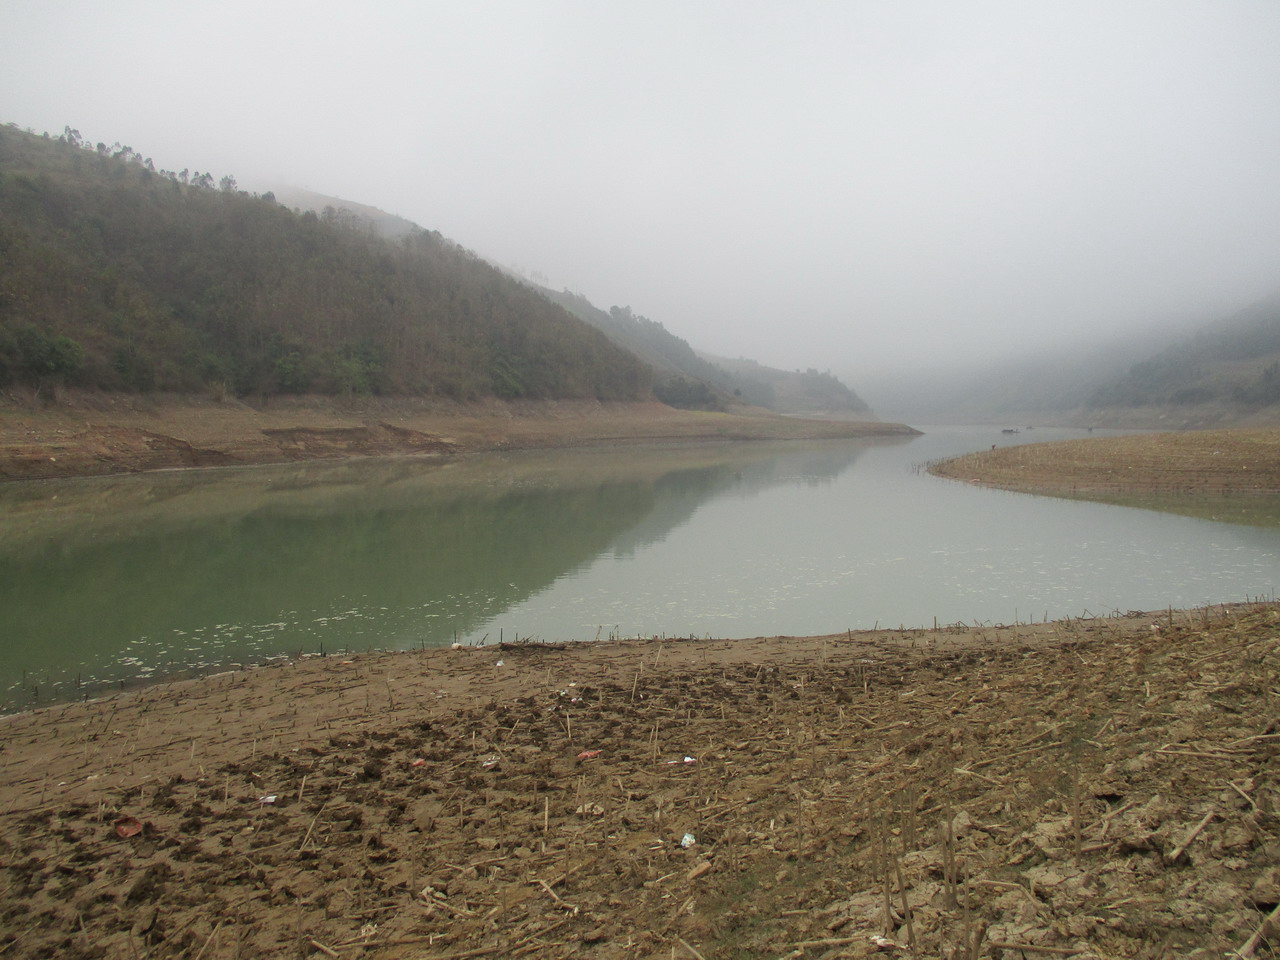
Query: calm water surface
[111,580]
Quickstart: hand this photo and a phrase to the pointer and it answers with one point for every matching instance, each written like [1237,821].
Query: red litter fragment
[589,754]
[419,763]
[128,827]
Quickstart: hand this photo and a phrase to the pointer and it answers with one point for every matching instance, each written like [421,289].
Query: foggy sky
[874,188]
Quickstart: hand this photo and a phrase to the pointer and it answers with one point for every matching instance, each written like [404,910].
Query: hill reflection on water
[114,580]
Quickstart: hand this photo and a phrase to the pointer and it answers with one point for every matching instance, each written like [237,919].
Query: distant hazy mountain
[1046,387]
[1232,364]
[804,392]
[686,377]
[1177,375]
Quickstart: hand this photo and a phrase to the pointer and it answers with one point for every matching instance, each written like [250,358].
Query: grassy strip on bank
[1095,787]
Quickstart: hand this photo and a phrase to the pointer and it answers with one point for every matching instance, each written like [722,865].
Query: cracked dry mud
[1091,788]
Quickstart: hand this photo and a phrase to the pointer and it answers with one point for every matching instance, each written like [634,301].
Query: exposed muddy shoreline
[1095,787]
[102,434]
[1238,461]
[1109,784]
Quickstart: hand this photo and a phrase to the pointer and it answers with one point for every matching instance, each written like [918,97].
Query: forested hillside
[118,276]
[388,225]
[1235,361]
[681,377]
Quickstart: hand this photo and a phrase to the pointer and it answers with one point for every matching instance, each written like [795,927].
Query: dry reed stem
[1195,832]
[906,907]
[1265,930]
[1034,948]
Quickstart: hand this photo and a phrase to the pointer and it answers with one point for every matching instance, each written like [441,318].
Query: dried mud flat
[1091,788]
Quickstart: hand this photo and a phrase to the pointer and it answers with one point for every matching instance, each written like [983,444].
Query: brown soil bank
[100,434]
[1194,462]
[1092,788]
